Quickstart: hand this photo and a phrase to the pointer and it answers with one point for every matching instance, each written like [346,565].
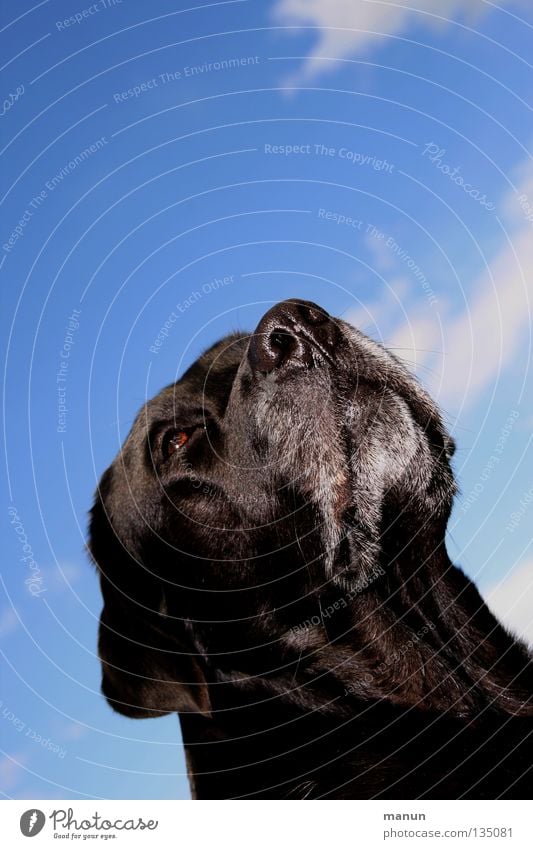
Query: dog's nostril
[282,344]
[292,333]
[280,340]
[269,350]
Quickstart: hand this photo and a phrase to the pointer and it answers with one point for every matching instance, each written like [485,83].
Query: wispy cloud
[482,340]
[74,731]
[8,621]
[64,574]
[12,770]
[461,352]
[349,27]
[512,601]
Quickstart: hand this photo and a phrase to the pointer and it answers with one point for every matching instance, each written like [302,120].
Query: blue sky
[209,160]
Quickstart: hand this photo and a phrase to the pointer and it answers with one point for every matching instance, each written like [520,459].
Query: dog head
[300,456]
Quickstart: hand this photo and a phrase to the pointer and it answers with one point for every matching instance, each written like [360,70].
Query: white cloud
[518,205]
[12,770]
[512,601]
[460,352]
[64,574]
[349,27]
[419,341]
[8,621]
[490,332]
[74,731]
[484,338]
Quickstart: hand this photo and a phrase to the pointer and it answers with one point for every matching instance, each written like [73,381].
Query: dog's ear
[147,669]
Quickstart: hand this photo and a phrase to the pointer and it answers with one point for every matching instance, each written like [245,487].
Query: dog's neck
[409,628]
[414,642]
[420,634]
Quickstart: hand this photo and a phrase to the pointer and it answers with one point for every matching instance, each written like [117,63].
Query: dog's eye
[173,440]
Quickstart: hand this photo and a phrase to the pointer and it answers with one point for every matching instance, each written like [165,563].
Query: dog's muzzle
[294,334]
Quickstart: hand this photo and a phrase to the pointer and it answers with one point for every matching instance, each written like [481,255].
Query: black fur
[282,581]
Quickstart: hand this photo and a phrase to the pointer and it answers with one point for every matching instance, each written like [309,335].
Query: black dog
[270,542]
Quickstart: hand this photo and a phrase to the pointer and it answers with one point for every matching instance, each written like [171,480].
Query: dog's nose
[293,333]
